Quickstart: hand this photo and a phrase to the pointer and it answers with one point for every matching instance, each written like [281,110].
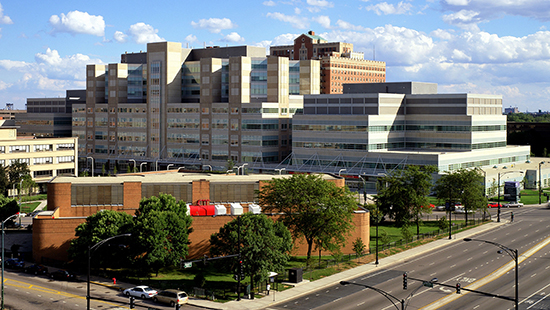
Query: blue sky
[475,46]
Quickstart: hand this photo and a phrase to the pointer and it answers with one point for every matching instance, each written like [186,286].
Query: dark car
[36,269]
[63,275]
[14,263]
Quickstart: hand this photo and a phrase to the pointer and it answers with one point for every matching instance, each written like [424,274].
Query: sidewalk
[307,287]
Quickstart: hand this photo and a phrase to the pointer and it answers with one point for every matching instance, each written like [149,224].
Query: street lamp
[340,171]
[540,181]
[133,160]
[3,222]
[90,249]
[242,167]
[498,190]
[168,167]
[513,254]
[389,296]
[280,170]
[209,167]
[89,157]
[141,165]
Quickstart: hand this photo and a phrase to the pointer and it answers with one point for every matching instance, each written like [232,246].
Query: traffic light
[405,281]
[132,300]
[458,288]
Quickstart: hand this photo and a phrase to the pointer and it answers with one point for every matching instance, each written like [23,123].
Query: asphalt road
[29,292]
[474,265]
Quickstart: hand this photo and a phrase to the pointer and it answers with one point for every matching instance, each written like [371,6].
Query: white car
[141,291]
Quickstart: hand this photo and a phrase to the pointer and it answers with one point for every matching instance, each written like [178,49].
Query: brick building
[72,199]
[339,63]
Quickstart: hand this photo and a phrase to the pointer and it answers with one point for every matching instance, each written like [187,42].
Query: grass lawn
[29,207]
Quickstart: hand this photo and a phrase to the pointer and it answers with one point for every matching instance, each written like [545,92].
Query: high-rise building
[339,63]
[174,105]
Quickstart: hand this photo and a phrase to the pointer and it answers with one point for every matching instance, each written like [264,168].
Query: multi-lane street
[29,292]
[475,265]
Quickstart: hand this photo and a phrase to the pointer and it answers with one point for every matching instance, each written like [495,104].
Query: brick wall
[51,237]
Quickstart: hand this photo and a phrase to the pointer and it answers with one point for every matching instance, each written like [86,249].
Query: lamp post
[168,167]
[90,249]
[3,222]
[340,171]
[280,170]
[133,160]
[540,180]
[498,190]
[209,167]
[141,165]
[242,167]
[89,157]
[389,296]
[513,254]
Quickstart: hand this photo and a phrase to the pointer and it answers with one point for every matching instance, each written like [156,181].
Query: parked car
[63,275]
[493,205]
[36,269]
[513,205]
[141,291]
[14,263]
[171,297]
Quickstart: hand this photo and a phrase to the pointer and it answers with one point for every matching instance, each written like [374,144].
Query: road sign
[187,265]
[428,284]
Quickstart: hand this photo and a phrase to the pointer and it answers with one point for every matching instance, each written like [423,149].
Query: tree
[403,194]
[161,232]
[16,171]
[4,181]
[358,246]
[465,186]
[264,245]
[100,226]
[312,208]
[8,207]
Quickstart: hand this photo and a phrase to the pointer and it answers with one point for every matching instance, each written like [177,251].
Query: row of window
[361,128]
[37,148]
[397,145]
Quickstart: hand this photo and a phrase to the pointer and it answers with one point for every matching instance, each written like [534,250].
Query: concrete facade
[45,157]
[206,106]
[72,199]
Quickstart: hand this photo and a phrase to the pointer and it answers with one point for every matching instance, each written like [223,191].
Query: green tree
[4,181]
[161,232]
[492,191]
[16,171]
[100,226]
[465,186]
[265,245]
[8,207]
[312,208]
[358,246]
[403,194]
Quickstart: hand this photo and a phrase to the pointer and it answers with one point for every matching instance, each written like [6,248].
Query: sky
[499,47]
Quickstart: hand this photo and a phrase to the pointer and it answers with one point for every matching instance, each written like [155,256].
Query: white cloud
[458,2]
[323,21]
[269,3]
[441,34]
[13,64]
[190,38]
[4,19]
[285,39]
[78,22]
[4,85]
[233,37]
[348,26]
[143,33]
[120,36]
[387,9]
[320,3]
[214,25]
[492,9]
[296,21]
[464,19]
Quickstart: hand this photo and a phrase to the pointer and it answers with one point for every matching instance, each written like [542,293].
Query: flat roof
[173,176]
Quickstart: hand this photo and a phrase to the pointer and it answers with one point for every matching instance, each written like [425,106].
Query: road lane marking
[489,278]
